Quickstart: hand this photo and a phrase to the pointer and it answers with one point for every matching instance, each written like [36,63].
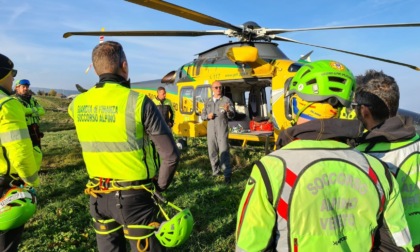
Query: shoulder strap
[387,172]
[266,180]
[388,176]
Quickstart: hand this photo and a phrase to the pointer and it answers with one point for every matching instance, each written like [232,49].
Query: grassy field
[62,221]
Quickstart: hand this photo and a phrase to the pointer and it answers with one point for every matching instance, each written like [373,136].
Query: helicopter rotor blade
[185,13]
[278,31]
[80,88]
[306,57]
[147,33]
[278,38]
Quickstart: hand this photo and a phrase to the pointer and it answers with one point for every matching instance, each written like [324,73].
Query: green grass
[62,221]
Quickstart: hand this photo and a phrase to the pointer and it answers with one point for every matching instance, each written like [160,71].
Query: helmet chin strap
[294,120]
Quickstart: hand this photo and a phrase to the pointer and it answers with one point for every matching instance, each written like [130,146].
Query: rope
[146,245]
[94,189]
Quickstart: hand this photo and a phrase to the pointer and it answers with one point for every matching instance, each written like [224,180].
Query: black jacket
[339,129]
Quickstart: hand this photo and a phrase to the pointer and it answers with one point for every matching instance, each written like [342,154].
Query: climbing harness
[170,233]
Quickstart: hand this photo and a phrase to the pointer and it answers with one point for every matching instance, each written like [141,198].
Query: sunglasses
[218,87]
[14,71]
[354,105]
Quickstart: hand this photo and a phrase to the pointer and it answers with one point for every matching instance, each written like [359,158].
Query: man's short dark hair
[161,88]
[379,92]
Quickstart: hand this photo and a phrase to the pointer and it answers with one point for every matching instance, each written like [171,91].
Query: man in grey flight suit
[217,110]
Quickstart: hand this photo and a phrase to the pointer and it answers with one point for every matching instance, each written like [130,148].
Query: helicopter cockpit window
[187,100]
[294,67]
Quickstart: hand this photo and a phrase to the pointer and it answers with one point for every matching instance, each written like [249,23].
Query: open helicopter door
[257,103]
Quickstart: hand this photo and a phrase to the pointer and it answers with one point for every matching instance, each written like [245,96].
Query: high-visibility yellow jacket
[16,155]
[319,196]
[109,126]
[33,110]
[396,143]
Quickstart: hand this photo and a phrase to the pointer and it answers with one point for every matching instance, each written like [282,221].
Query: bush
[52,92]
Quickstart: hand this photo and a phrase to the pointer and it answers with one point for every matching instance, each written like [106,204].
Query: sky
[31,34]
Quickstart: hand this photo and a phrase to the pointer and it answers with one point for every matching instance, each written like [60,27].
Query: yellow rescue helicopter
[247,69]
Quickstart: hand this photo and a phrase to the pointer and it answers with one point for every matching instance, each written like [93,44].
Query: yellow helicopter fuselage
[247,71]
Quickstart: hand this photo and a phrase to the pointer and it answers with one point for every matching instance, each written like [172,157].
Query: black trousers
[130,207]
[10,239]
[35,134]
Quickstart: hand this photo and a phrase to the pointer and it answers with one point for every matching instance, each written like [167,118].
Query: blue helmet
[23,82]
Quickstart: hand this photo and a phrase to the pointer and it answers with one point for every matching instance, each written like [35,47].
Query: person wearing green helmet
[17,163]
[316,192]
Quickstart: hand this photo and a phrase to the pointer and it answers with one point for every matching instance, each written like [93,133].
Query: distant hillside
[61,91]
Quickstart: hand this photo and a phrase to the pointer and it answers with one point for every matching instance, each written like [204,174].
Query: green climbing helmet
[323,80]
[17,206]
[177,230]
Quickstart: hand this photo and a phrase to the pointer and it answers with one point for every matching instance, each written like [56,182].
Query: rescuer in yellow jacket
[121,132]
[33,112]
[317,193]
[391,138]
[165,106]
[17,163]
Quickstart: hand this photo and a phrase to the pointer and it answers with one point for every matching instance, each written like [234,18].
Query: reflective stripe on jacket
[324,196]
[16,152]
[403,160]
[110,130]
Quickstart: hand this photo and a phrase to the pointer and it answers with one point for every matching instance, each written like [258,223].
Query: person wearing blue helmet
[33,112]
